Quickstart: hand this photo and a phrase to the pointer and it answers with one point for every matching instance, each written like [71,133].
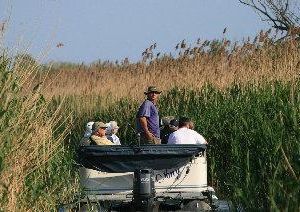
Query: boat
[146,178]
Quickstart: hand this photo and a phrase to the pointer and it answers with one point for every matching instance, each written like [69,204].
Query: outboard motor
[143,190]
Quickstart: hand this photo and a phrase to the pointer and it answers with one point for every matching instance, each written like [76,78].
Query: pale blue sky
[115,29]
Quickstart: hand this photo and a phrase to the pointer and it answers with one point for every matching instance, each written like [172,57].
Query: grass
[243,98]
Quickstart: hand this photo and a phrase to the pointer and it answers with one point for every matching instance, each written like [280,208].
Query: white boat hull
[190,179]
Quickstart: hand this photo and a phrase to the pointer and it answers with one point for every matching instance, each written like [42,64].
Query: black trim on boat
[119,158]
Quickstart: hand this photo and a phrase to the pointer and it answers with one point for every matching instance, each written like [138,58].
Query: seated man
[184,135]
[111,131]
[85,141]
[98,136]
[169,127]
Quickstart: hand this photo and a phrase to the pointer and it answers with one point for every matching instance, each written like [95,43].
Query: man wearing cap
[169,128]
[148,118]
[98,136]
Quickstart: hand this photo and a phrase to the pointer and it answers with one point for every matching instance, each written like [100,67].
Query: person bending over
[185,135]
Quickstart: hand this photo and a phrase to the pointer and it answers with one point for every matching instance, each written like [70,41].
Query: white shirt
[186,136]
[113,138]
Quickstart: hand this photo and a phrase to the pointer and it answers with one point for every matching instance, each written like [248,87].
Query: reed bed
[253,135]
[244,99]
[217,62]
[30,137]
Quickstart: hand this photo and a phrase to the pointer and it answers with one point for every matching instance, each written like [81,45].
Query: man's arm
[144,125]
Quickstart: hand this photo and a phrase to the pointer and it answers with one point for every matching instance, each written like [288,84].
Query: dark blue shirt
[149,110]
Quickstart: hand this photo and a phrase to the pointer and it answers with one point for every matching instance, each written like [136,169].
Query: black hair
[184,121]
[174,122]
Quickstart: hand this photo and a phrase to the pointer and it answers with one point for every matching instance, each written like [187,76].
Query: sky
[90,30]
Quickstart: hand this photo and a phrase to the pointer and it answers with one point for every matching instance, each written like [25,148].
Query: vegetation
[218,62]
[244,99]
[253,134]
[33,143]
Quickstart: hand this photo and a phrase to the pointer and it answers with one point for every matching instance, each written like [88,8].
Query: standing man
[148,118]
[185,135]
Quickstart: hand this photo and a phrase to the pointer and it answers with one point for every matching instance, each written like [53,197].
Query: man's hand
[148,134]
